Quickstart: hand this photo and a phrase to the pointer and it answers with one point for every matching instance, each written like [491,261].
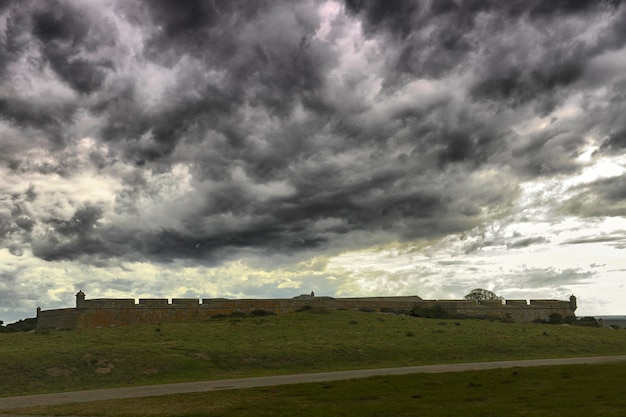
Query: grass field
[573,391]
[53,361]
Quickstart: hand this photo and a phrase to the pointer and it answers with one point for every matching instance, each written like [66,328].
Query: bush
[259,312]
[397,312]
[25,325]
[555,318]
[312,310]
[508,318]
[588,321]
[434,311]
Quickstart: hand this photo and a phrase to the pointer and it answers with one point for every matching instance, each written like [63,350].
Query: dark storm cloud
[16,221]
[615,142]
[72,238]
[52,35]
[286,149]
[605,197]
[45,116]
[64,31]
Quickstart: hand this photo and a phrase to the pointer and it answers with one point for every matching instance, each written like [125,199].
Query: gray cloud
[550,277]
[287,146]
[523,243]
[604,197]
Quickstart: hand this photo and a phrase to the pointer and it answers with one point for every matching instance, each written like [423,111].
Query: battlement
[105,312]
[185,301]
[106,303]
[517,303]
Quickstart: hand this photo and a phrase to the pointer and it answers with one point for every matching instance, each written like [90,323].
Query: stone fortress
[105,312]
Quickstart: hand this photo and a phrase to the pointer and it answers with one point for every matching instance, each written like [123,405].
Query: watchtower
[80,299]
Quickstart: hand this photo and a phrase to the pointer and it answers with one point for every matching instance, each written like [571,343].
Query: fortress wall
[550,303]
[112,317]
[154,301]
[186,301]
[109,303]
[107,312]
[406,299]
[520,313]
[454,304]
[215,303]
[491,303]
[64,319]
[518,303]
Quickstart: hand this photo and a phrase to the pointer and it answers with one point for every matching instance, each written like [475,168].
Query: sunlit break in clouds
[268,149]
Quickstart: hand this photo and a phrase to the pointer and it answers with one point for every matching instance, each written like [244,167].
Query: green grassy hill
[293,343]
[555,391]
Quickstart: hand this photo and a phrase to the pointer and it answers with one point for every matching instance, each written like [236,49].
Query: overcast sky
[268,149]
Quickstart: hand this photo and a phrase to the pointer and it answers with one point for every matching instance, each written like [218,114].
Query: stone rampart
[64,318]
[514,310]
[112,312]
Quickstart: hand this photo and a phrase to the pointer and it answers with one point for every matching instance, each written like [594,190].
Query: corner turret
[80,299]
[572,303]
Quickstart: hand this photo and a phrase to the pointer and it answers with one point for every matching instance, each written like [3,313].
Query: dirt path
[202,386]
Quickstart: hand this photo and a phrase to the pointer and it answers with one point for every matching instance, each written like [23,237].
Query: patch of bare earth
[202,355]
[149,371]
[56,371]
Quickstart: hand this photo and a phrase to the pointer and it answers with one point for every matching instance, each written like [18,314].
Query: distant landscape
[612,321]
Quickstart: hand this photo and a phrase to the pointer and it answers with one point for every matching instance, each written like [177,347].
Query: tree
[480,294]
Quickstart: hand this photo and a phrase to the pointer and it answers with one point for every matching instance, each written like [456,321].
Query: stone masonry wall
[112,312]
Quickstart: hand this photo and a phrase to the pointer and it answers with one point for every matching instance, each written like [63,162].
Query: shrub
[259,312]
[313,310]
[367,310]
[588,321]
[555,318]
[434,311]
[25,325]
[397,312]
